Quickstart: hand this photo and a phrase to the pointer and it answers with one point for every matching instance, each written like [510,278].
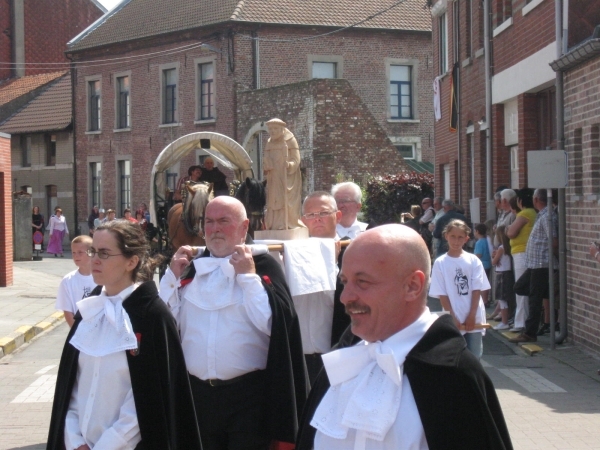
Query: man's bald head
[231,203]
[386,276]
[225,225]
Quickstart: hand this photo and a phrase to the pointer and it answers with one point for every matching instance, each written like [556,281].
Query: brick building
[188,66]
[581,70]
[6,248]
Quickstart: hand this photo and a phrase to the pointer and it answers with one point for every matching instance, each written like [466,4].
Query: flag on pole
[454,99]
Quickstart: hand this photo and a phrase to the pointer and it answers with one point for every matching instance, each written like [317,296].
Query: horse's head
[199,194]
[252,194]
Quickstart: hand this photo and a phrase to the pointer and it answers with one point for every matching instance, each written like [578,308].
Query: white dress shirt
[315,314]
[58,223]
[102,411]
[352,231]
[222,338]
[370,404]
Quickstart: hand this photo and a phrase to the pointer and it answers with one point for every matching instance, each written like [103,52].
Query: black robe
[341,320]
[456,400]
[287,380]
[159,378]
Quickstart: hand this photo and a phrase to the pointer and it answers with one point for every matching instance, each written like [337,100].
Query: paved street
[550,400]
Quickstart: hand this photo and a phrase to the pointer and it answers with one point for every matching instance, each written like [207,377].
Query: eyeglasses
[322,214]
[102,254]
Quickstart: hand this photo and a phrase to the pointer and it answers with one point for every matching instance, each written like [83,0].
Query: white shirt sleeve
[256,301]
[169,292]
[73,437]
[52,219]
[437,286]
[125,432]
[63,298]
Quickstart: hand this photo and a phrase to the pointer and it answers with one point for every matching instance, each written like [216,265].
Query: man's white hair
[356,192]
[507,194]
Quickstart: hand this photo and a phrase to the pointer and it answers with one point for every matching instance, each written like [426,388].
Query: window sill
[404,120]
[479,53]
[528,8]
[466,62]
[94,132]
[503,26]
[204,121]
[169,125]
[121,130]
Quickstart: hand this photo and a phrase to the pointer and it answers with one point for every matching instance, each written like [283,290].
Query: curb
[26,333]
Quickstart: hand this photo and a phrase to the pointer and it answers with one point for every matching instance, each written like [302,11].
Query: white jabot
[212,287]
[105,326]
[352,231]
[368,390]
[310,265]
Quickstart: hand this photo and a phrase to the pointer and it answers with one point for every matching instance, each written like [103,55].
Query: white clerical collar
[366,384]
[105,327]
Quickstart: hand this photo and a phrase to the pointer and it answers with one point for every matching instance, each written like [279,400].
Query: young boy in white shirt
[78,284]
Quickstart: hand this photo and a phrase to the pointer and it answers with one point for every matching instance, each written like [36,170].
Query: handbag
[522,285]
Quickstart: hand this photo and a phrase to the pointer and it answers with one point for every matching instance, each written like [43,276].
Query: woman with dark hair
[122,381]
[37,222]
[58,229]
[518,232]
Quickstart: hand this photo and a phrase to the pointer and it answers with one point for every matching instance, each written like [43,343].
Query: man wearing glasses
[348,198]
[321,315]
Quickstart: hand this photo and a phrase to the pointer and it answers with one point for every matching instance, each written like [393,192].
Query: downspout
[561,47]
[455,20]
[74,122]
[490,207]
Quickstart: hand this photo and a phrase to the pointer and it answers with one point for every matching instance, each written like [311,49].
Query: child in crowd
[78,284]
[457,279]
[482,251]
[505,279]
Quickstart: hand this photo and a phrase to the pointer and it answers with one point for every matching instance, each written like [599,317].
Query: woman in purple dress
[58,229]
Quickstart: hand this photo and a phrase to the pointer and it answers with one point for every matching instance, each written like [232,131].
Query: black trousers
[538,291]
[232,416]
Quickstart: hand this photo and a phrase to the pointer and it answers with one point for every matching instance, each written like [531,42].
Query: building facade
[190,72]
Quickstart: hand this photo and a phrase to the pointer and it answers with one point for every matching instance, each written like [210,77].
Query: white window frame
[161,74]
[414,141]
[94,160]
[414,64]
[88,106]
[334,59]
[118,160]
[197,63]
[443,42]
[116,77]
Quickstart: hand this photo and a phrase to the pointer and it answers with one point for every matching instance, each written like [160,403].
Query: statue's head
[276,128]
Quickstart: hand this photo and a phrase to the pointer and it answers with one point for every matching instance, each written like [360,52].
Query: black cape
[287,379]
[341,320]
[159,378]
[456,400]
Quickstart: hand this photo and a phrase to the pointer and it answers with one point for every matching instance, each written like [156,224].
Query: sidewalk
[27,307]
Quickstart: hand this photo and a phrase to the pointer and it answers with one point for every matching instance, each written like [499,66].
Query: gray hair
[440,200]
[355,188]
[320,194]
[541,195]
[507,194]
[449,203]
[497,196]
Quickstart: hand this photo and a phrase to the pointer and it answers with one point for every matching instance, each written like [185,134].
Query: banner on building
[454,99]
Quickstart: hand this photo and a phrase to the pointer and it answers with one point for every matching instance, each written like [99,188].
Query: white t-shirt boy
[73,288]
[457,278]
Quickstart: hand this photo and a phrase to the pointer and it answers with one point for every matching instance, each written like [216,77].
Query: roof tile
[51,110]
[138,19]
[14,88]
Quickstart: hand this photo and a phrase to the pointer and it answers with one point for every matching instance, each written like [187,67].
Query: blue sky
[109,4]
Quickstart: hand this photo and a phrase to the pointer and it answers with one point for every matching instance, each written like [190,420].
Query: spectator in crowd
[111,215]
[411,384]
[518,233]
[100,219]
[439,212]
[37,222]
[482,251]
[348,198]
[212,174]
[127,215]
[505,279]
[537,259]
[411,219]
[450,213]
[91,218]
[58,229]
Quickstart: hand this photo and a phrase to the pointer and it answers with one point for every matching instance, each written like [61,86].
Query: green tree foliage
[391,195]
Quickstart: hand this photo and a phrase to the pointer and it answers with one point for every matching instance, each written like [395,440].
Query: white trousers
[522,310]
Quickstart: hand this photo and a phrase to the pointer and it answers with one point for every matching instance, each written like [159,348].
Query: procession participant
[348,198]
[122,381]
[240,336]
[321,314]
[58,229]
[411,383]
[194,174]
[212,174]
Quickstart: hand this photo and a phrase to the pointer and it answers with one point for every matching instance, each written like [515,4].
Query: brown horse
[186,220]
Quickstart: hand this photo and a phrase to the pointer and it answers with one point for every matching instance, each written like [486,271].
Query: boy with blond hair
[78,284]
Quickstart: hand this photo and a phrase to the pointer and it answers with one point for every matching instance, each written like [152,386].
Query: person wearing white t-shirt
[457,279]
[79,284]
[348,198]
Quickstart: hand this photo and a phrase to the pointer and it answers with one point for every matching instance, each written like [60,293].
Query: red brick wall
[6,246]
[279,65]
[582,88]
[527,35]
[5,37]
